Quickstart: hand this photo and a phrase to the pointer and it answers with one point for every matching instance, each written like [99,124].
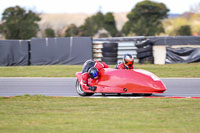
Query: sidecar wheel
[147,94]
[103,94]
[80,91]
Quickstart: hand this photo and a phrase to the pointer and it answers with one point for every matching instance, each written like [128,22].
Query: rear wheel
[80,91]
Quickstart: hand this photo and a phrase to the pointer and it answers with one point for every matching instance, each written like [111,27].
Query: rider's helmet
[128,60]
[93,73]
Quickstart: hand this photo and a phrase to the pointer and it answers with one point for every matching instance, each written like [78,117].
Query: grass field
[40,114]
[169,70]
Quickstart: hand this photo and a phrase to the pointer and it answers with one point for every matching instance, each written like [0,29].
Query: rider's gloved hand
[92,88]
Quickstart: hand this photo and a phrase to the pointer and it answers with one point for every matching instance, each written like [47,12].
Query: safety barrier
[123,47]
[76,50]
[45,51]
[155,53]
[145,52]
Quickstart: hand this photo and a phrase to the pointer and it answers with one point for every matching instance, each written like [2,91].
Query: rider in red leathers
[127,63]
[91,70]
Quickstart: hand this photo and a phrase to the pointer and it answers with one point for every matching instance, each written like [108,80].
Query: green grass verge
[169,70]
[40,114]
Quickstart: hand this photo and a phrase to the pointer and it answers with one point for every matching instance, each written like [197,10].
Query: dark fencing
[68,51]
[46,51]
[182,55]
[14,53]
[176,40]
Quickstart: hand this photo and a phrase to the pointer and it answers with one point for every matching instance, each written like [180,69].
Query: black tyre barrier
[110,45]
[146,60]
[143,43]
[147,49]
[144,54]
[109,54]
[110,63]
[109,59]
[114,50]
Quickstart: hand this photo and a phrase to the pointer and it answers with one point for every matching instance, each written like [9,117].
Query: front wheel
[80,91]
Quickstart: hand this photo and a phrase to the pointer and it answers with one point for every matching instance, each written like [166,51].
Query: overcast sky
[91,6]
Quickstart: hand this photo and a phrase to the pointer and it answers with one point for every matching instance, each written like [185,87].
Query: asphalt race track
[181,87]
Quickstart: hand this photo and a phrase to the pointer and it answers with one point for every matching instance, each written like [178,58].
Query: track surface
[183,87]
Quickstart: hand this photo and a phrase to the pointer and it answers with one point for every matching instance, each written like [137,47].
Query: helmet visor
[95,75]
[130,63]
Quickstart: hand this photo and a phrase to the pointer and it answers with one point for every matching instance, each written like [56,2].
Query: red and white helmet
[128,60]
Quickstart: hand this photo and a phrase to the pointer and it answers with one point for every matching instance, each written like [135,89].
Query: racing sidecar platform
[122,81]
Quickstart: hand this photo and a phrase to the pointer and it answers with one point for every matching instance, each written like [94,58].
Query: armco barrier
[125,45]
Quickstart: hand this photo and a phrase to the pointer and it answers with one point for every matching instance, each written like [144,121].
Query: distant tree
[72,30]
[92,25]
[184,30]
[19,24]
[110,25]
[49,32]
[89,28]
[99,19]
[97,22]
[145,19]
[126,29]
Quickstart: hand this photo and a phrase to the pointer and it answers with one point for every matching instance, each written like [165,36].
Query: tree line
[145,19]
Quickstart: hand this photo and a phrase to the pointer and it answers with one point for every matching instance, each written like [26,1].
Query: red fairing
[126,81]
[105,65]
[98,65]
[84,80]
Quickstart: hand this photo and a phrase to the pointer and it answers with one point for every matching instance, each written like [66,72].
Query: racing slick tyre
[103,94]
[80,91]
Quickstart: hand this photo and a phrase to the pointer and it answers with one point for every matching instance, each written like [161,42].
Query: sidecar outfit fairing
[122,81]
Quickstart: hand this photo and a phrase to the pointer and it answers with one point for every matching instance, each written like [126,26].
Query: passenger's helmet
[93,73]
[128,60]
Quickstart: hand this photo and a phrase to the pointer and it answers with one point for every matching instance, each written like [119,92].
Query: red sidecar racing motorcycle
[136,81]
